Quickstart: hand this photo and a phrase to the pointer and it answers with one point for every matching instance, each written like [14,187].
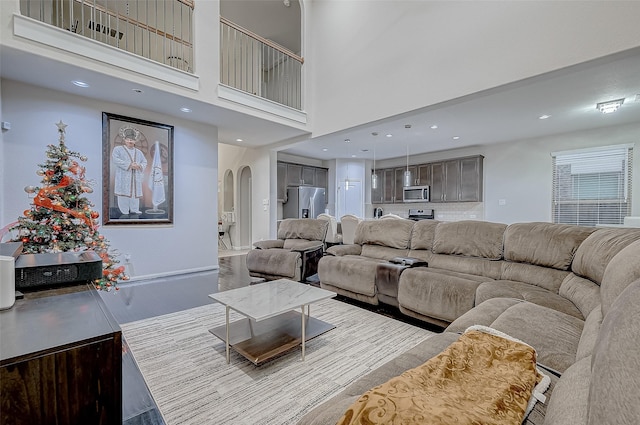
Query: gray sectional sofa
[573,293]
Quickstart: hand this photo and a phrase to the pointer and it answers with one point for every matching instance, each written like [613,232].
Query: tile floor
[144,299]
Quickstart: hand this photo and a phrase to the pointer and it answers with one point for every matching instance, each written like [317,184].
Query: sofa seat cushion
[331,410]
[524,291]
[482,314]
[275,262]
[441,294]
[353,273]
[570,402]
[553,334]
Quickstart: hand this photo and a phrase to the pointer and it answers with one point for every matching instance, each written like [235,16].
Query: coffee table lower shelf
[265,340]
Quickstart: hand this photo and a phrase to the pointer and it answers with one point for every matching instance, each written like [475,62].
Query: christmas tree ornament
[30,189]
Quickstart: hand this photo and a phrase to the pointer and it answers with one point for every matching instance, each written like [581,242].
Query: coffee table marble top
[271,298]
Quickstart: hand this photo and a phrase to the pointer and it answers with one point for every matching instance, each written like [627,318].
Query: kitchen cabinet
[377,194]
[451,180]
[389,186]
[308,176]
[294,174]
[282,181]
[471,179]
[424,175]
[299,175]
[399,181]
[321,178]
[457,180]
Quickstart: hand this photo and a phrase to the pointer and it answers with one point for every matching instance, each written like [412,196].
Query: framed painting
[137,172]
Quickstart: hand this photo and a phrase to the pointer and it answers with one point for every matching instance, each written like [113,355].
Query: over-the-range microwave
[415,194]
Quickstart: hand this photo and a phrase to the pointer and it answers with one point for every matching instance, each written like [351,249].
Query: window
[592,186]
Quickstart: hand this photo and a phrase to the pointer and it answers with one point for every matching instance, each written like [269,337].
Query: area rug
[185,367]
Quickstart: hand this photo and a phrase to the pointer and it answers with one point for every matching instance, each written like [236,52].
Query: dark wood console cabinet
[60,361]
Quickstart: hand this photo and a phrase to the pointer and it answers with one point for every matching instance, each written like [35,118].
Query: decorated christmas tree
[61,218]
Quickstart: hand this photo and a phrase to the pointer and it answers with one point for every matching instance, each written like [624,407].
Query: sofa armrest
[306,246]
[409,262]
[340,250]
[275,243]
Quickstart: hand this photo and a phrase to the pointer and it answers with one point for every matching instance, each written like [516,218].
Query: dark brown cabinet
[470,179]
[453,180]
[424,175]
[457,180]
[61,361]
[282,181]
[299,175]
[377,193]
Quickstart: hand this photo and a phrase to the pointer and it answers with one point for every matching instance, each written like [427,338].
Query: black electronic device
[40,271]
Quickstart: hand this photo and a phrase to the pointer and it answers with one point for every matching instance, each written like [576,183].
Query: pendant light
[346,180]
[408,180]
[374,175]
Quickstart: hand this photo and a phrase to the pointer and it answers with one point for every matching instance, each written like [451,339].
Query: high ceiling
[509,113]
[506,113]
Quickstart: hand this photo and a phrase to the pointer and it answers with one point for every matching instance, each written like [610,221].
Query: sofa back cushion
[593,255]
[423,233]
[469,239]
[390,233]
[544,244]
[303,228]
[623,269]
[615,363]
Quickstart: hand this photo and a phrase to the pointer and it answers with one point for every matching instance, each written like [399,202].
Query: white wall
[374,59]
[189,244]
[520,173]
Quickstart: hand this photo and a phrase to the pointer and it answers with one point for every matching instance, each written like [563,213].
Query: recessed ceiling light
[364,150]
[407,126]
[324,149]
[184,109]
[389,135]
[347,140]
[80,83]
[544,117]
[239,140]
[137,91]
[353,156]
[609,107]
[375,133]
[433,127]
[455,137]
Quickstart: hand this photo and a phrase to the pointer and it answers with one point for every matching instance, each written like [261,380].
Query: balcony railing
[160,30]
[259,66]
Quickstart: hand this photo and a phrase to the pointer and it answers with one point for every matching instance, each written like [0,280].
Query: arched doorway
[243,213]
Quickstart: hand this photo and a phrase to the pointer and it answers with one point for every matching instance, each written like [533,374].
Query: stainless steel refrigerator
[304,202]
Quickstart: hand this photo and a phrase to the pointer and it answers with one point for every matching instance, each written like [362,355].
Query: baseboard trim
[172,273]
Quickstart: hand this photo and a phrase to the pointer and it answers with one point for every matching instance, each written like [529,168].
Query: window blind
[592,186]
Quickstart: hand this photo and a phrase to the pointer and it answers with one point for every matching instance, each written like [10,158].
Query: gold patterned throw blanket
[485,377]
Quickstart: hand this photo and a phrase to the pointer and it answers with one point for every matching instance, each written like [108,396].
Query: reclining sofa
[294,255]
[572,293]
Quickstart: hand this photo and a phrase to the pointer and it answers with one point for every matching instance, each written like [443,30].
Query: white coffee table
[272,326]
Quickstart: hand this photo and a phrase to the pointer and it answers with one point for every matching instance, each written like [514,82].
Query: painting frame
[137,184]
